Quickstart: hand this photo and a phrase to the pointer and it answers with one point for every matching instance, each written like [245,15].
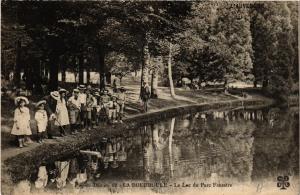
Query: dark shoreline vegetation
[22,166]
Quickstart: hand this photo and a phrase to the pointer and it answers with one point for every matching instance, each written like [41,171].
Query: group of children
[85,108]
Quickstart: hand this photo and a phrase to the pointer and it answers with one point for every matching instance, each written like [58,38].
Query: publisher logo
[283,182]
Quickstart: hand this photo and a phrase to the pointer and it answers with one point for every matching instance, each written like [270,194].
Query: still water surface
[219,148]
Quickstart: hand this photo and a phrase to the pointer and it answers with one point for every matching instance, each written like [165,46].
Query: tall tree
[274,58]
[232,40]
[172,91]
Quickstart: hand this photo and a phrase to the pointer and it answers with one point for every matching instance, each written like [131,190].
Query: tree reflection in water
[237,146]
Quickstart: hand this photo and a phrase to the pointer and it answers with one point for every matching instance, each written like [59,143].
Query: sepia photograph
[150,97]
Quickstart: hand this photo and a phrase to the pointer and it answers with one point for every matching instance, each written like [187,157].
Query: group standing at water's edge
[83,110]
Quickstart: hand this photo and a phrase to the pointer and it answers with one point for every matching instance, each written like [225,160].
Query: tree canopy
[222,42]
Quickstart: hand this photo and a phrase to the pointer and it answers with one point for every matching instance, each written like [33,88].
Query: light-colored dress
[42,179]
[41,120]
[63,168]
[74,108]
[82,98]
[21,122]
[62,113]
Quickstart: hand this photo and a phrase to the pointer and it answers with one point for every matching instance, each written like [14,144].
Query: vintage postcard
[150,97]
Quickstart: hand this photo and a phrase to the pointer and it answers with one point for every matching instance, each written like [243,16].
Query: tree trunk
[170,147]
[63,75]
[17,73]
[80,68]
[108,77]
[146,156]
[226,85]
[154,84]
[121,80]
[101,66]
[37,79]
[63,69]
[47,73]
[53,82]
[146,62]
[265,83]
[255,83]
[28,74]
[88,75]
[172,91]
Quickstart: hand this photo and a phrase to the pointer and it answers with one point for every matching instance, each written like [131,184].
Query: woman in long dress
[62,116]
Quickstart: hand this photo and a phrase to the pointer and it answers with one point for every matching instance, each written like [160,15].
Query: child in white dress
[62,115]
[21,126]
[41,120]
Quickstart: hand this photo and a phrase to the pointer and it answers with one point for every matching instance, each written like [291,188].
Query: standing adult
[121,98]
[62,112]
[145,95]
[89,107]
[50,107]
[82,99]
[74,106]
[104,99]
[115,86]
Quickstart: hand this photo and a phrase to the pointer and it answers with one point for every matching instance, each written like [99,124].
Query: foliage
[119,64]
[210,42]
[273,42]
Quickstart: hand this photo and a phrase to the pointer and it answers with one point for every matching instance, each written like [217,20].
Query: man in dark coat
[145,95]
[50,108]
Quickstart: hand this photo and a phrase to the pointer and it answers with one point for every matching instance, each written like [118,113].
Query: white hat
[40,102]
[55,95]
[17,99]
[76,90]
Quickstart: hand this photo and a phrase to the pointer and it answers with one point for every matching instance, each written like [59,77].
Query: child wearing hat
[41,120]
[21,126]
[113,106]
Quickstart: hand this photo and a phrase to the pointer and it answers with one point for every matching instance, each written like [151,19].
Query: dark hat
[62,90]
[122,89]
[81,87]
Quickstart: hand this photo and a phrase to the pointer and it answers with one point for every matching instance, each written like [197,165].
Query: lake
[220,150]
